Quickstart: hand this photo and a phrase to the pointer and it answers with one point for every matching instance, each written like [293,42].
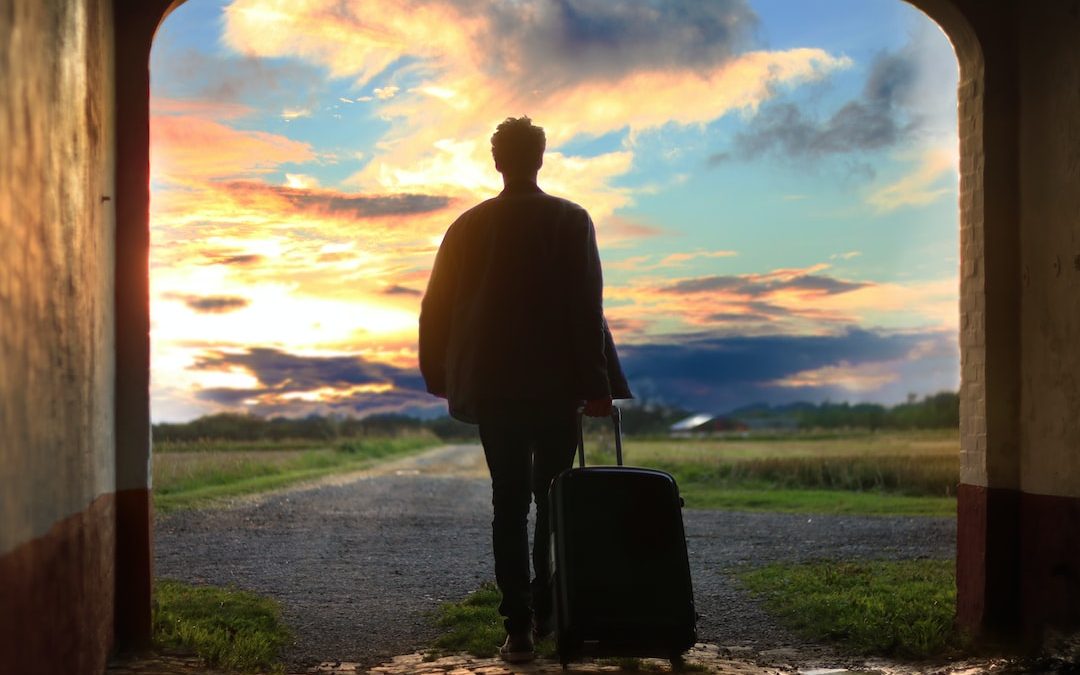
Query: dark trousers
[524,453]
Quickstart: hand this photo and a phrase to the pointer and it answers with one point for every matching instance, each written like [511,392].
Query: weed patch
[885,608]
[229,628]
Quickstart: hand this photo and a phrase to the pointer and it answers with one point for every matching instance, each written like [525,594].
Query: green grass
[699,496]
[189,479]
[884,608]
[889,473]
[474,626]
[223,445]
[229,628]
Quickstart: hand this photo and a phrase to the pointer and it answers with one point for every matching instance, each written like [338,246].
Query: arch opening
[971,183]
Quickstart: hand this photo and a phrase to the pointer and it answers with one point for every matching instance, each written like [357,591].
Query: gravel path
[359,562]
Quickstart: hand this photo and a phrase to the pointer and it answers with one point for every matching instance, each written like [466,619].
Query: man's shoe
[517,648]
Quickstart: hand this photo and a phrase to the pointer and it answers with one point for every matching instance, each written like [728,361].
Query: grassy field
[197,474]
[884,608]
[230,629]
[894,473]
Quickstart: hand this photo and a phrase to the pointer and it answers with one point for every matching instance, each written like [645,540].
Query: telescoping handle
[616,421]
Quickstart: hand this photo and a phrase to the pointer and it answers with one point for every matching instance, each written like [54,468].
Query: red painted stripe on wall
[56,595]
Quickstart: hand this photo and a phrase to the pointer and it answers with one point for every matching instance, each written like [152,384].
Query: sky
[773,184]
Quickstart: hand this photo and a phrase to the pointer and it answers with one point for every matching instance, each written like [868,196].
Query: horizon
[774,190]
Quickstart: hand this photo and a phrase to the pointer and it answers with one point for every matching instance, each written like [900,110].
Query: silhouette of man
[512,334]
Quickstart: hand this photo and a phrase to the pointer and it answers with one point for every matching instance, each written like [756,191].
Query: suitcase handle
[616,420]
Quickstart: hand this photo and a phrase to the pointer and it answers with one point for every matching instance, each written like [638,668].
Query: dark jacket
[514,308]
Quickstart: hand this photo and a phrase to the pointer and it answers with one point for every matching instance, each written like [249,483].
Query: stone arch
[988,525]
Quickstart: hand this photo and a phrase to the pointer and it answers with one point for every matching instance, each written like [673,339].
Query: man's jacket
[514,308]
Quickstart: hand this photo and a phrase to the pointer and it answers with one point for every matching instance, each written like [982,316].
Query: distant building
[703,424]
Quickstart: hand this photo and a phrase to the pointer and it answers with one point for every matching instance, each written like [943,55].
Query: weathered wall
[1050,312]
[57,521]
[1050,248]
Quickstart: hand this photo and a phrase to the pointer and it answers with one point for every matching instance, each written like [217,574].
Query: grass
[884,608]
[704,496]
[884,473]
[474,626]
[229,628]
[190,478]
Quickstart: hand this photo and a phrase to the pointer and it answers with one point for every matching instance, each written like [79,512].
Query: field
[896,473]
[871,473]
[188,475]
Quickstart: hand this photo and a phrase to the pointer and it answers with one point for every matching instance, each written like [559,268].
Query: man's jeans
[524,453]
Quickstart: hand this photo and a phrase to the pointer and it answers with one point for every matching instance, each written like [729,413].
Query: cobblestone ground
[702,658]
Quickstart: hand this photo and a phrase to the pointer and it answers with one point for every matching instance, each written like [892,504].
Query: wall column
[136,22]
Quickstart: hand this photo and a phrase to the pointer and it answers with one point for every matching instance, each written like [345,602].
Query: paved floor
[702,658]
[706,658]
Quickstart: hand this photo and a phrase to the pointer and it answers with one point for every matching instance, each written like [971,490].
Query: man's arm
[435,312]
[587,320]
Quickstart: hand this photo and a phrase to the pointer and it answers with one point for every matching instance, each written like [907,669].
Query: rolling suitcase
[620,575]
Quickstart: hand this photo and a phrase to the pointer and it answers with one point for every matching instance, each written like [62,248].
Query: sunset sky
[773,183]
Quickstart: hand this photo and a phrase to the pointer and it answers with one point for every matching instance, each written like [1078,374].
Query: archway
[989,378]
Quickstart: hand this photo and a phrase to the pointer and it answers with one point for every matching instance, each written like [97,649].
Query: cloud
[755,285]
[542,42]
[783,301]
[239,259]
[284,382]
[555,43]
[934,177]
[720,373]
[384,93]
[163,105]
[576,66]
[879,119]
[395,289]
[290,114]
[224,78]
[254,193]
[642,263]
[187,149]
[616,231]
[211,304]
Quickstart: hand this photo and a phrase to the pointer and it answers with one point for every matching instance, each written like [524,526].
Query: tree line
[936,411]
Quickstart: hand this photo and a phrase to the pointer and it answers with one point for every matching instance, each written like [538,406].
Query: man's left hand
[598,407]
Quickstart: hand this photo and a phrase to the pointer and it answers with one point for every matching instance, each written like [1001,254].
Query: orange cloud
[476,64]
[924,185]
[186,149]
[788,301]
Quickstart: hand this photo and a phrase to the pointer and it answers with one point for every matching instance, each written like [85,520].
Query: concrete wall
[1050,248]
[1018,557]
[1049,461]
[57,543]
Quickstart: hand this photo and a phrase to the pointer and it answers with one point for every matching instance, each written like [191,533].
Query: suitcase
[620,575]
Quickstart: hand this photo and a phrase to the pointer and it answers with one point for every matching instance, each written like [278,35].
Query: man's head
[518,147]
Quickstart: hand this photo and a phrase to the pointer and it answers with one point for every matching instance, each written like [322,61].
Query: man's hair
[518,146]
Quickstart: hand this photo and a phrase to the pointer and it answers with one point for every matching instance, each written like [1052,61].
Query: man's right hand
[598,407]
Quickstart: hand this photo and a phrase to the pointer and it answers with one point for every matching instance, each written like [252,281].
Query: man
[512,334]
